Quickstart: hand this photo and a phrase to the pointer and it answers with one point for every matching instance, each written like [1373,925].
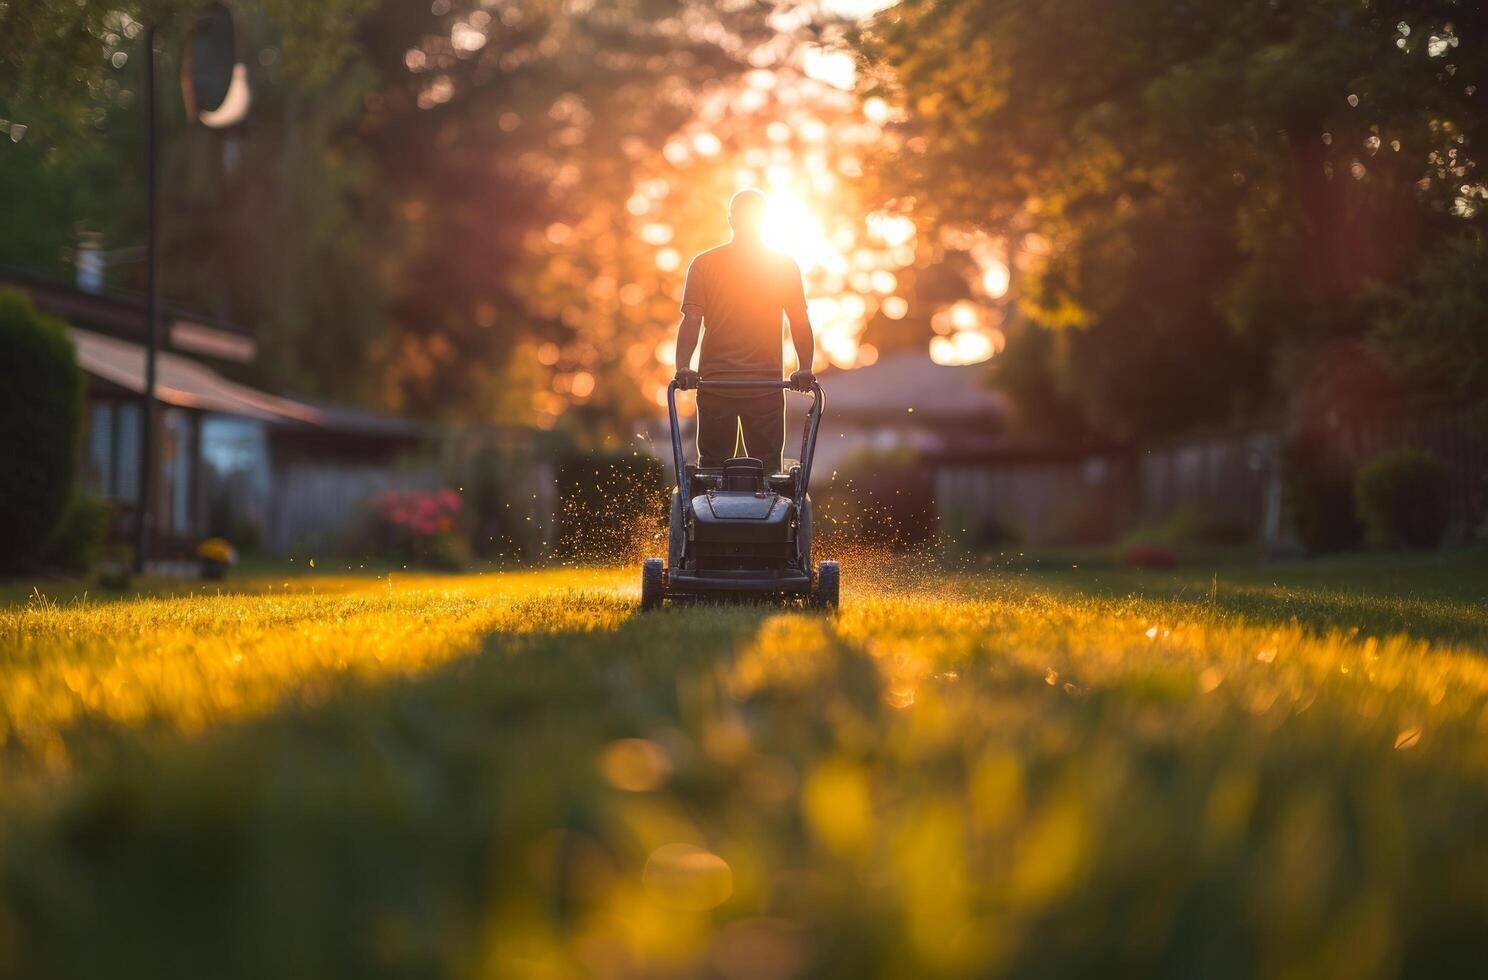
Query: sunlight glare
[790,227]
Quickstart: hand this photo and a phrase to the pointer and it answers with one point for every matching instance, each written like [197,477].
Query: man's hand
[687,379]
[802,380]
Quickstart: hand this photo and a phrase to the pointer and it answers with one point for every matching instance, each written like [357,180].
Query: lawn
[1030,770]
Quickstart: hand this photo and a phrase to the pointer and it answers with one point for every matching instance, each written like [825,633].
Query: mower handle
[766,383]
[808,437]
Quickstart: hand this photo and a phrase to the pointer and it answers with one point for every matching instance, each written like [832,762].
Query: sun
[792,228]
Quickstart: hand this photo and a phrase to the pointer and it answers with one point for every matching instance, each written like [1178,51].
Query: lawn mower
[737,530]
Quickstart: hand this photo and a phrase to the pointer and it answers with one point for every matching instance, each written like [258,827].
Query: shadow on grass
[396,829]
[507,814]
[1441,597]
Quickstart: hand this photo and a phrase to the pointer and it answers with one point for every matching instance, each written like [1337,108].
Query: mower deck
[727,580]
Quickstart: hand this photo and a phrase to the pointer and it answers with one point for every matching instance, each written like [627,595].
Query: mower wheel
[652,590]
[828,584]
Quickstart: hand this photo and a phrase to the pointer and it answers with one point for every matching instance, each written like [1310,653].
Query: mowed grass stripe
[192,662]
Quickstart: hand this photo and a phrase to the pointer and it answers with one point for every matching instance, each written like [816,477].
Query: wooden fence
[1229,483]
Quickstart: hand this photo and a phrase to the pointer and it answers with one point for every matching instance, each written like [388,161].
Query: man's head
[747,214]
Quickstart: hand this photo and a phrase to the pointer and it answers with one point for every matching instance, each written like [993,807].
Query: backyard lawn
[1027,770]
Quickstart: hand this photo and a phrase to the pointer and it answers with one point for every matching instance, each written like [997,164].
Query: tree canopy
[1198,195]
[436,208]
[1155,215]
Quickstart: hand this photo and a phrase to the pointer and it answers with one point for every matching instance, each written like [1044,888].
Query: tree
[511,142]
[1433,327]
[444,221]
[273,225]
[1192,189]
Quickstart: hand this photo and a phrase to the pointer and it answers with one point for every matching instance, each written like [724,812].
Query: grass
[1029,772]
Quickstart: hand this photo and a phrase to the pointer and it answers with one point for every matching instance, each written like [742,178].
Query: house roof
[185,383]
[908,380]
[122,314]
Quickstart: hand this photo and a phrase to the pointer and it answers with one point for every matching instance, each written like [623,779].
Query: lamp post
[214,89]
[142,516]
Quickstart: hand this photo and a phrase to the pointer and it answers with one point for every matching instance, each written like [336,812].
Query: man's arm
[694,304]
[804,342]
[801,336]
[687,338]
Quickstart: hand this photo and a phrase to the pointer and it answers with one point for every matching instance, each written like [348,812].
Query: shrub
[41,409]
[245,535]
[964,528]
[1405,498]
[79,537]
[1182,528]
[1188,528]
[498,484]
[1320,496]
[421,527]
[610,503]
[1150,556]
[876,498]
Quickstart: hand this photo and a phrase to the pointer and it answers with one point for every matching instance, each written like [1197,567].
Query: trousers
[726,421]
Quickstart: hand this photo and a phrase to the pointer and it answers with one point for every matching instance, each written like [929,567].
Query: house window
[98,465]
[177,446]
[126,452]
[111,459]
[235,473]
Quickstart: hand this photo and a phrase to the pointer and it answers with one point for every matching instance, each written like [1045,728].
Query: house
[903,403]
[230,459]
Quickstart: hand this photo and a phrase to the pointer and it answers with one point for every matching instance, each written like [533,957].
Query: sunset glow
[797,128]
[799,135]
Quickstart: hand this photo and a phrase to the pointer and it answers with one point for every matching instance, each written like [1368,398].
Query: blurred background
[1163,276]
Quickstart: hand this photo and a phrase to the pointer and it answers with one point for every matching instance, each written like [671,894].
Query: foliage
[385,221]
[1320,495]
[41,407]
[1405,498]
[1431,326]
[422,527]
[516,771]
[610,505]
[1040,405]
[508,490]
[49,52]
[1185,528]
[78,540]
[275,225]
[1193,194]
[879,498]
[966,533]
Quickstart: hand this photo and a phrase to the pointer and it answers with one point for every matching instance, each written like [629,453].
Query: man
[736,292]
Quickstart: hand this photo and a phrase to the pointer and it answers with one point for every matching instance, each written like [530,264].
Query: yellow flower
[218,550]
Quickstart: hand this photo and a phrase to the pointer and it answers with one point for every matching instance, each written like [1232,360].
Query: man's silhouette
[736,292]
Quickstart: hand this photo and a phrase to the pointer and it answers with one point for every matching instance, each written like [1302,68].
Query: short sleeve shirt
[741,290]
